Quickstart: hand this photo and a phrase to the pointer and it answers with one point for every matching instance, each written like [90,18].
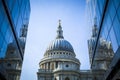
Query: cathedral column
[46,65]
[54,65]
[42,66]
[50,65]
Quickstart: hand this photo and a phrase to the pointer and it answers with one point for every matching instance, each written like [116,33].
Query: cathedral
[60,62]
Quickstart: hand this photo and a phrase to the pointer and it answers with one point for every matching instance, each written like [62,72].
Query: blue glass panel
[108,21]
[4,26]
[118,12]
[1,40]
[2,13]
[117,3]
[26,11]
[112,10]
[1,10]
[19,25]
[113,40]
[105,30]
[15,12]
[108,38]
[3,49]
[101,5]
[98,15]
[116,26]
[8,35]
[19,2]
[22,8]
[10,3]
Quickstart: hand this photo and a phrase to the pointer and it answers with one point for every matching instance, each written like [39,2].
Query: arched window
[67,78]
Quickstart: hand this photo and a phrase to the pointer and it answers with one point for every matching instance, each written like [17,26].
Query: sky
[42,30]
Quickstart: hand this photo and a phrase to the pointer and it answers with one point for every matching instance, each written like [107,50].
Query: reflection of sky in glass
[42,29]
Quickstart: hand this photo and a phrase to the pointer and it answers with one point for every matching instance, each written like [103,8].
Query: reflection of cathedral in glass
[14,21]
[60,62]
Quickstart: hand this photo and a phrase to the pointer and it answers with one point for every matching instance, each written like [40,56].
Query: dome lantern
[59,31]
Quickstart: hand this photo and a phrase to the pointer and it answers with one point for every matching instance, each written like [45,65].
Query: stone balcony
[45,71]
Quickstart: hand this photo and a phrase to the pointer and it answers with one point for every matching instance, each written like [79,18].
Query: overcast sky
[42,30]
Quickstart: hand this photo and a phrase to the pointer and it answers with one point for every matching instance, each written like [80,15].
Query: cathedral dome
[61,45]
[59,55]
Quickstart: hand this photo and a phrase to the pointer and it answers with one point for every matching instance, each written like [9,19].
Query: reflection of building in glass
[104,52]
[14,20]
[108,24]
[60,62]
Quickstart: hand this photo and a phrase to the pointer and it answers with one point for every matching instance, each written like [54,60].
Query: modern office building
[60,62]
[107,13]
[14,20]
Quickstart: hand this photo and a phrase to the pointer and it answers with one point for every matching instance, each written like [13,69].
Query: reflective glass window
[98,15]
[2,13]
[101,5]
[3,49]
[118,12]
[23,8]
[112,10]
[26,14]
[113,40]
[19,1]
[108,38]
[117,3]
[105,30]
[8,35]
[108,21]
[4,26]
[19,25]
[15,12]
[116,26]
[10,4]
[1,40]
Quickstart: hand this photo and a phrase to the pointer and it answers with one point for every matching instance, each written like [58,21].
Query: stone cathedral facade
[60,62]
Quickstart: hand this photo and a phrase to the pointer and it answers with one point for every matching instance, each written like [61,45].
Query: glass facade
[108,23]
[14,15]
